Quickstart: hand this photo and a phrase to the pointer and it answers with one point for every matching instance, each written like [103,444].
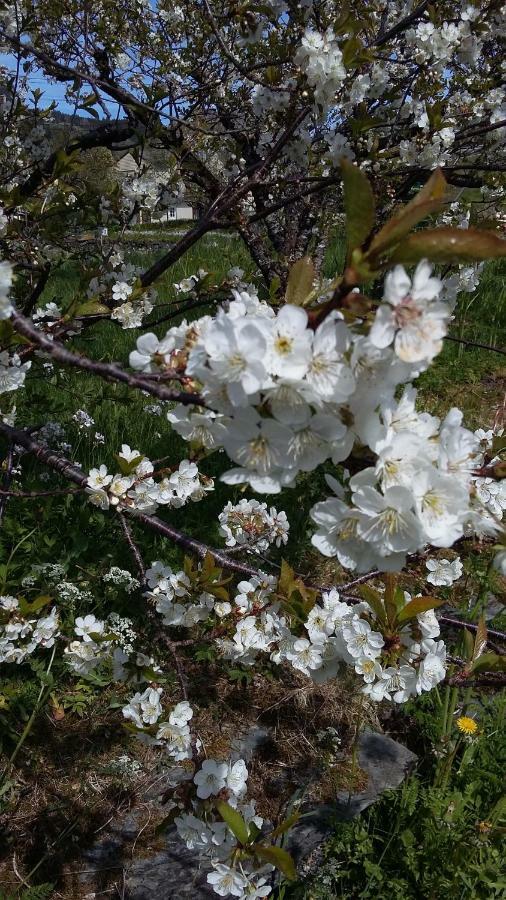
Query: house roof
[127,164]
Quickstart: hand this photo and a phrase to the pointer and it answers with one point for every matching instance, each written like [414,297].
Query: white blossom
[444,571]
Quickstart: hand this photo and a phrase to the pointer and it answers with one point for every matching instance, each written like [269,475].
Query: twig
[9,463]
[488,679]
[133,547]
[108,371]
[27,495]
[460,623]
[17,873]
[192,545]
[475,344]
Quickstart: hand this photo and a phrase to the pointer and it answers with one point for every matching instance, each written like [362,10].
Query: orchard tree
[290,123]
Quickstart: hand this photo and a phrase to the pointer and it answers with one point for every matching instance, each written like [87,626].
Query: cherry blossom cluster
[120,281]
[321,60]
[134,487]
[22,631]
[110,642]
[175,600]
[250,524]
[248,357]
[285,398]
[423,489]
[415,663]
[144,711]
[198,823]
[335,633]
[12,371]
[5,285]
[92,646]
[202,830]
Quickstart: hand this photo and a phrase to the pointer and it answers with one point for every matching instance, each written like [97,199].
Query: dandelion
[467,725]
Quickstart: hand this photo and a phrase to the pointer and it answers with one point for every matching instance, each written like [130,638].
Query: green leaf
[278,857]
[389,598]
[91,308]
[468,644]
[254,831]
[354,52]
[26,608]
[498,443]
[300,281]
[234,820]
[416,606]
[358,205]
[286,579]
[489,662]
[480,641]
[430,199]
[374,600]
[274,287]
[450,245]
[285,825]
[127,466]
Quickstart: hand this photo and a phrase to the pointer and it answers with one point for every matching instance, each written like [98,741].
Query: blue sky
[55,90]
[52,90]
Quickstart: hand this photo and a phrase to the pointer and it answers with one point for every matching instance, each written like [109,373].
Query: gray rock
[386,764]
[173,874]
[245,745]
[493,608]
[176,873]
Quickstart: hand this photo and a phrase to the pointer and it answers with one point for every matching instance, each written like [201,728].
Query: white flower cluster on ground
[202,829]
[251,525]
[121,578]
[22,633]
[54,577]
[144,710]
[134,487]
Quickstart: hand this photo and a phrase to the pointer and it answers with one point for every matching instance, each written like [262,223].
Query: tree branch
[190,544]
[107,371]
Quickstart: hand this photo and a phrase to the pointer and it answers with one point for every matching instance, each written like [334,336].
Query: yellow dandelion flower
[466,725]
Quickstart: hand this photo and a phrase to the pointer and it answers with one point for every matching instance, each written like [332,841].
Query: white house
[173,213]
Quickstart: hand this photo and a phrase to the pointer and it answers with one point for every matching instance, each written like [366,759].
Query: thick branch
[192,545]
[402,25]
[104,136]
